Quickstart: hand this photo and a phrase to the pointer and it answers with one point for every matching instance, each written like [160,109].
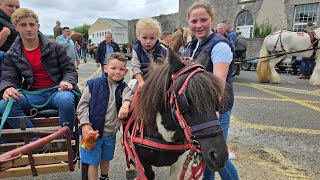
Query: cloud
[79,12]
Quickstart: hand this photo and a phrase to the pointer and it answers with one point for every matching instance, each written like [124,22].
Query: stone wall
[168,23]
[253,46]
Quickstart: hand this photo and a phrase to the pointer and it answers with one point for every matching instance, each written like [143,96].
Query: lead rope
[9,103]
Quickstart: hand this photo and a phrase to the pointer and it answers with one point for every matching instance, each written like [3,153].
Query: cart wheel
[84,171]
[246,65]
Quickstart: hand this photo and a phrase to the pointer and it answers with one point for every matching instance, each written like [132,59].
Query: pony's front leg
[274,76]
[148,172]
[315,77]
[176,168]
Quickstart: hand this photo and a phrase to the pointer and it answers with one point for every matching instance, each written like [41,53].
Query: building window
[92,35]
[244,23]
[97,34]
[303,14]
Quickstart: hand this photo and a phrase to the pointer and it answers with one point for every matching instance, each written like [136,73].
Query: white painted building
[118,28]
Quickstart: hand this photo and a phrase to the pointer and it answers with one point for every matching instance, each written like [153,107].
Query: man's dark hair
[64,28]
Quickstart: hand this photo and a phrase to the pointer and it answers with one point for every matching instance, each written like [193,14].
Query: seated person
[295,61]
[34,63]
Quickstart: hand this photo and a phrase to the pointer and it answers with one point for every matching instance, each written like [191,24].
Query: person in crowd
[124,49]
[33,63]
[220,62]
[66,41]
[309,27]
[57,30]
[232,33]
[147,49]
[307,63]
[105,49]
[306,67]
[92,50]
[166,39]
[84,50]
[103,101]
[8,33]
[221,29]
[295,62]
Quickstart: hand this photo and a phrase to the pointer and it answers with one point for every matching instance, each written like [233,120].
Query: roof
[116,22]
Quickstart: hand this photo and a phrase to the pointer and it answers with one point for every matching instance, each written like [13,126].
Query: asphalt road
[275,129]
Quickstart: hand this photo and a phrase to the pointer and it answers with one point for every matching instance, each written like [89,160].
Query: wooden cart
[39,150]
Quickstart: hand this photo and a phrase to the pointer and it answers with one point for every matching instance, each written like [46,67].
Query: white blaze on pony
[289,42]
[166,135]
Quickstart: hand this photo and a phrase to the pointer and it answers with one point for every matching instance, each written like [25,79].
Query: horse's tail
[263,69]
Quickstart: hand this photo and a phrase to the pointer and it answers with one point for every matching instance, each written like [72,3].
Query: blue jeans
[229,172]
[63,101]
[84,55]
[307,65]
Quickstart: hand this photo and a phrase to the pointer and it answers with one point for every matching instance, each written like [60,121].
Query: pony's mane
[204,91]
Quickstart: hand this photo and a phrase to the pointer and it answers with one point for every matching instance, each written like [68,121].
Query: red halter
[192,145]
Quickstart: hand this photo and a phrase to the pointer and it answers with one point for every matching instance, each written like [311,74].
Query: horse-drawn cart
[46,148]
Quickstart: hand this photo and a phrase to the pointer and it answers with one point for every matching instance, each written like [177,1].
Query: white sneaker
[232,154]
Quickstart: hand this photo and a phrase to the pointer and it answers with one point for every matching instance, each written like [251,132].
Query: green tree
[82,29]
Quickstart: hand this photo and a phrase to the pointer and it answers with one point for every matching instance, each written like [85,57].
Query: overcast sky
[88,11]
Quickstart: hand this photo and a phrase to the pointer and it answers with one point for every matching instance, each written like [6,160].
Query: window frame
[295,24]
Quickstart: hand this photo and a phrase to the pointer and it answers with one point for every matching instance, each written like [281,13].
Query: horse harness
[179,106]
[314,39]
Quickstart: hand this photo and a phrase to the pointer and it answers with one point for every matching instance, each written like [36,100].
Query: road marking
[275,160]
[261,88]
[293,90]
[274,128]
[82,64]
[81,83]
[275,99]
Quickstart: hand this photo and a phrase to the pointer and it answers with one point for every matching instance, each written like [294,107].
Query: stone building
[244,14]
[118,28]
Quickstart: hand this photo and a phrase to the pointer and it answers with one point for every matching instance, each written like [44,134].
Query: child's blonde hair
[148,23]
[23,13]
[201,4]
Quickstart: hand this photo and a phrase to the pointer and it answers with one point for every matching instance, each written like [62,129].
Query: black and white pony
[175,111]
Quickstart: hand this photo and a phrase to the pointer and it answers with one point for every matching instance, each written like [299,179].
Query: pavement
[274,130]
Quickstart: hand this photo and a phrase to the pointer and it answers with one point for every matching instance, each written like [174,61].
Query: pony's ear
[203,58]
[175,63]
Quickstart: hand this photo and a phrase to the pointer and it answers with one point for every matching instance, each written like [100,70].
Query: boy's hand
[123,112]
[86,130]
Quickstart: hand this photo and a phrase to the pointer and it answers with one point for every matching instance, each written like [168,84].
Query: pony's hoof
[131,174]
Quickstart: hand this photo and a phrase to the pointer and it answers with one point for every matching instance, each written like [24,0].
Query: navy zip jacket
[207,45]
[159,53]
[98,104]
[101,51]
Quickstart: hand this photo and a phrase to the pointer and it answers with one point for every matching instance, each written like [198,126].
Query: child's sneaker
[232,154]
